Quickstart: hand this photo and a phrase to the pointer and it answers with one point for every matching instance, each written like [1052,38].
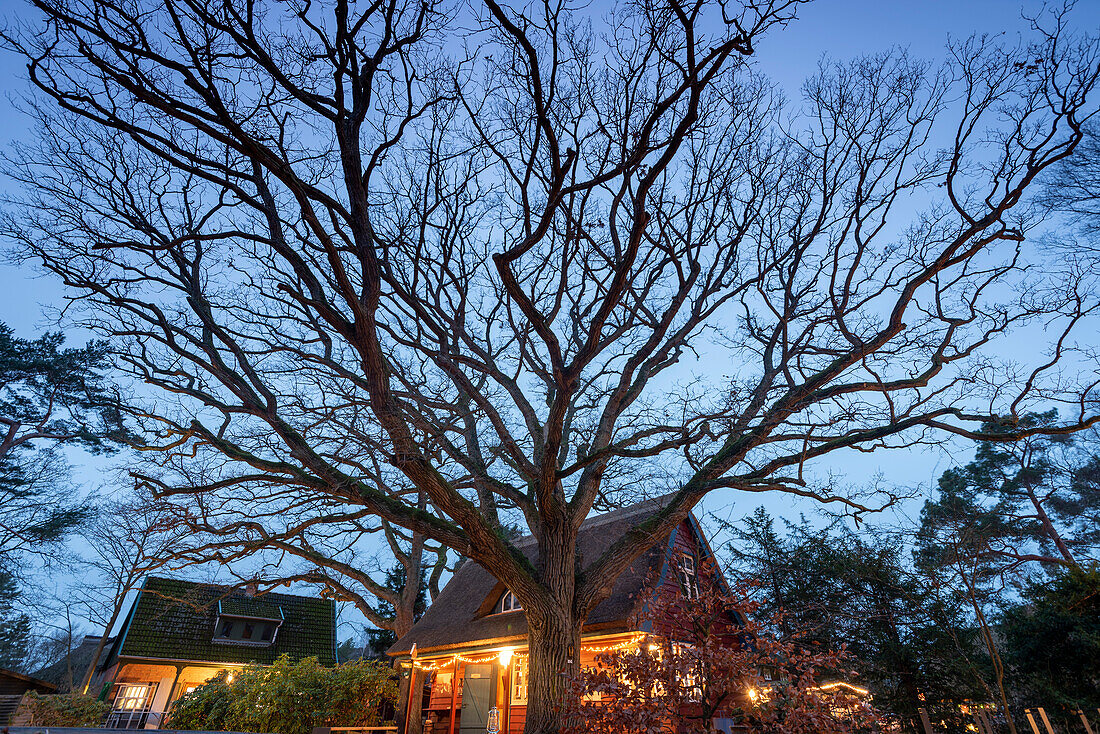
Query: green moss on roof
[256,608]
[176,620]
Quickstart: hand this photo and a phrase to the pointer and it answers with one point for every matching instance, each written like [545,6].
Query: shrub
[205,708]
[288,698]
[61,709]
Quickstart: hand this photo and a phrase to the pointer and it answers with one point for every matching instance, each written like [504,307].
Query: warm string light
[842,684]
[474,661]
[448,662]
[633,642]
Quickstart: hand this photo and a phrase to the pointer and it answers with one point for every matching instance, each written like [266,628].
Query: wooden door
[478,694]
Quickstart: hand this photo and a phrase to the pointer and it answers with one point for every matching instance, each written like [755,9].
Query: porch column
[161,697]
[454,697]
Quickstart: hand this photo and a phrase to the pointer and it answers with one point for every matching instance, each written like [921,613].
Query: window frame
[517,680]
[507,603]
[691,682]
[687,568]
[129,711]
[231,630]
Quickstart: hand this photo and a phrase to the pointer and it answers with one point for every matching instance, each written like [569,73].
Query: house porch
[487,679]
[143,692]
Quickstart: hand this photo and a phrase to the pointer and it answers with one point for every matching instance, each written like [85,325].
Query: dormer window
[241,629]
[234,630]
[508,603]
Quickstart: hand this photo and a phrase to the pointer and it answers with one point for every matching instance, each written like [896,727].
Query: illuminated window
[131,706]
[508,603]
[519,679]
[689,681]
[689,577]
[441,685]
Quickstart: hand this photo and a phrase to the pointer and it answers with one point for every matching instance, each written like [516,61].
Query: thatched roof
[75,662]
[461,616]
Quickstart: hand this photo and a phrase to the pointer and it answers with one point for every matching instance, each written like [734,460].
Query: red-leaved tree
[709,664]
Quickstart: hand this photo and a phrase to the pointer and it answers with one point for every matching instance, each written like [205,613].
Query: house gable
[689,543]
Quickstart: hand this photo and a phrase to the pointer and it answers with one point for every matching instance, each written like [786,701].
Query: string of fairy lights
[505,655]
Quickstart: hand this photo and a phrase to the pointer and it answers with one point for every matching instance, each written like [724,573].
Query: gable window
[508,603]
[689,576]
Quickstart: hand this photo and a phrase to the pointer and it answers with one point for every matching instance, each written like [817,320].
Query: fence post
[1031,720]
[924,721]
[1045,720]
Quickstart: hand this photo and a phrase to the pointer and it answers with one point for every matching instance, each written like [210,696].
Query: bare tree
[285,535]
[442,265]
[130,538]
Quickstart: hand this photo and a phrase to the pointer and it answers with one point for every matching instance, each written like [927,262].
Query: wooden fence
[1036,719]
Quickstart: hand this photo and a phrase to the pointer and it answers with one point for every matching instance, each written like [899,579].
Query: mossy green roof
[176,620]
[256,608]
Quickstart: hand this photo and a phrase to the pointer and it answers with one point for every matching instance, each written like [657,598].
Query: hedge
[61,709]
[288,698]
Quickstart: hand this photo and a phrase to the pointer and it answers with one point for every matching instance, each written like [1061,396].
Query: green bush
[61,709]
[288,698]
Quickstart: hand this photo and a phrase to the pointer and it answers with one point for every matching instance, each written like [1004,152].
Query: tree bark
[1051,531]
[554,640]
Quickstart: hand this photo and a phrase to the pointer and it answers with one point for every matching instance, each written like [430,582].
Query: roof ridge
[230,588]
[611,516]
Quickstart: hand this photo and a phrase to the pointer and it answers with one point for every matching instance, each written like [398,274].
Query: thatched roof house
[472,641]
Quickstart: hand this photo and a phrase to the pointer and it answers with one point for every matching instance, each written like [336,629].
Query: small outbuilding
[12,688]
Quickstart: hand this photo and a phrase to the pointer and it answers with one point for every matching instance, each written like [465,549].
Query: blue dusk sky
[839,29]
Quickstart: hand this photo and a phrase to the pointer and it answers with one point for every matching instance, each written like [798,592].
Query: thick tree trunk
[554,629]
[555,641]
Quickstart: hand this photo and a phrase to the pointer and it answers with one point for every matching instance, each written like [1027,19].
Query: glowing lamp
[505,657]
